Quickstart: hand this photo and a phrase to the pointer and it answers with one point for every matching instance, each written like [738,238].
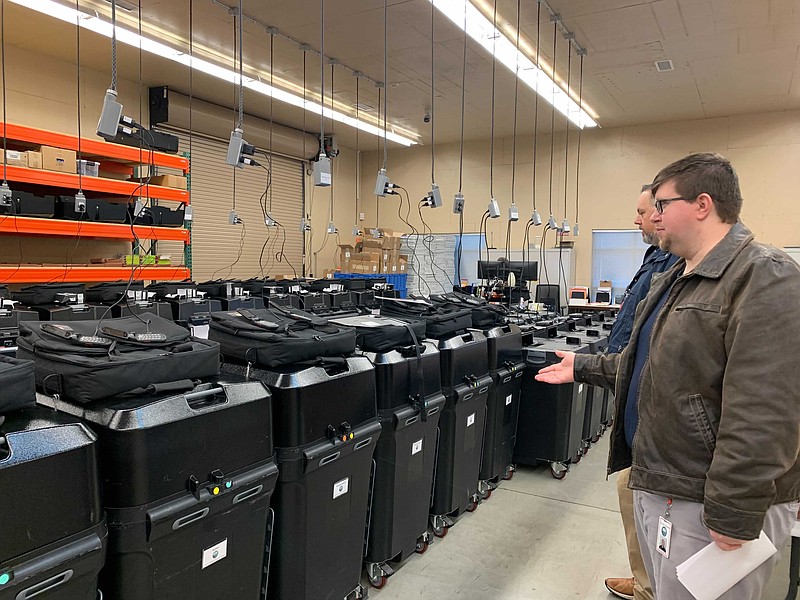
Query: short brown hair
[708,173]
[646,188]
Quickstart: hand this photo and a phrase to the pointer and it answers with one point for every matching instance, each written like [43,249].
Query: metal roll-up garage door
[221,250]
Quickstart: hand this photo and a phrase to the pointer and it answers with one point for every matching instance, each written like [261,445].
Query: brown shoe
[621,587]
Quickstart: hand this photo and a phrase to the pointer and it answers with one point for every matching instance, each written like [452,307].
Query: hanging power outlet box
[458,203]
[322,171]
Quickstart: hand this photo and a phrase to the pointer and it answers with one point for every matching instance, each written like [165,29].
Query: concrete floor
[536,538]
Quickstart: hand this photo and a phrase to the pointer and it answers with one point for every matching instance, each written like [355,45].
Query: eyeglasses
[662,204]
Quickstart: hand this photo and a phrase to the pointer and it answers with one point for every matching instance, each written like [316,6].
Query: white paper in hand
[712,572]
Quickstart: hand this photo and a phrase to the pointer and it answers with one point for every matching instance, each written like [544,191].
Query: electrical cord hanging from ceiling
[461,149]
[322,77]
[495,33]
[377,203]
[536,106]
[114,45]
[333,183]
[357,158]
[5,96]
[433,98]
[271,119]
[414,232]
[566,139]
[553,120]
[240,122]
[78,92]
[514,144]
[240,118]
[385,79]
[578,156]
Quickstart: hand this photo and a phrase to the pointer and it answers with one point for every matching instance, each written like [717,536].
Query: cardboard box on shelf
[34,159]
[15,158]
[371,244]
[172,181]
[58,159]
[346,252]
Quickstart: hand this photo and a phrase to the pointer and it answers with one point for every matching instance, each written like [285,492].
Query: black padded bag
[440,321]
[46,293]
[276,336]
[382,334]
[85,371]
[17,384]
[484,315]
[108,293]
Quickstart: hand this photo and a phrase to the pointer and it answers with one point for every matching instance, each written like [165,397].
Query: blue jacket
[655,261]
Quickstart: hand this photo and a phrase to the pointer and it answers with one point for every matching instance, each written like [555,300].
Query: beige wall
[764,149]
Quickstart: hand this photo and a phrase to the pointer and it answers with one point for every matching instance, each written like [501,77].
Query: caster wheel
[558,471]
[508,476]
[422,547]
[577,458]
[441,532]
[595,438]
[486,494]
[378,582]
[473,505]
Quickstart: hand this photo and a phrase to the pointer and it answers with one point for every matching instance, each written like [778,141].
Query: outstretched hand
[561,372]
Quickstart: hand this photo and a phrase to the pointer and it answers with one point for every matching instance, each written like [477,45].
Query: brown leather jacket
[719,400]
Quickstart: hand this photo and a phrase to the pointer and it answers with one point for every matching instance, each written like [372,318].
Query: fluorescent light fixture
[481,29]
[97,25]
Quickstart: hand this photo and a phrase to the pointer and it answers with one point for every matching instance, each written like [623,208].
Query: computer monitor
[549,295]
[523,270]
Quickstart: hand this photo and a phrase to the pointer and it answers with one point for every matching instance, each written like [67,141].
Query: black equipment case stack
[410,400]
[506,367]
[597,340]
[231,294]
[551,416]
[52,523]
[326,430]
[127,299]
[10,318]
[465,383]
[187,478]
[190,307]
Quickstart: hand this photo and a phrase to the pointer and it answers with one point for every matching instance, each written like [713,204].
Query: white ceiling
[730,56]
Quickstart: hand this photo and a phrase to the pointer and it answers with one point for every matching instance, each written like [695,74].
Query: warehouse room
[236,362]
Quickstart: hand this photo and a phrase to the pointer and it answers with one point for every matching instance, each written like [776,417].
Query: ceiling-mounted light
[99,26]
[481,29]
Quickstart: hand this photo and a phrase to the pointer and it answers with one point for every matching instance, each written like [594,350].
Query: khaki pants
[642,589]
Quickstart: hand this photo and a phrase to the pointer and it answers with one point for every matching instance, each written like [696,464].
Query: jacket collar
[721,255]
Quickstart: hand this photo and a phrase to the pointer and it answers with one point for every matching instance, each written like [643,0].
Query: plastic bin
[54,530]
[551,416]
[187,479]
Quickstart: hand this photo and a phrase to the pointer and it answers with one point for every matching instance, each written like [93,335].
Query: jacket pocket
[702,422]
[704,306]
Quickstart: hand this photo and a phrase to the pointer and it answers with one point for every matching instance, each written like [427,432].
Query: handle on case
[206,398]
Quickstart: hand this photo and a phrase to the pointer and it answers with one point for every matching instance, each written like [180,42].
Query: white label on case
[215,554]
[471,420]
[580,389]
[508,399]
[416,447]
[340,488]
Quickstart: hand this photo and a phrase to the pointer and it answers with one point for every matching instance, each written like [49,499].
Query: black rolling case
[466,383]
[52,523]
[326,428]
[440,321]
[126,301]
[58,302]
[551,416]
[189,306]
[410,401]
[506,367]
[231,294]
[187,479]
[85,361]
[277,336]
[17,381]
[484,315]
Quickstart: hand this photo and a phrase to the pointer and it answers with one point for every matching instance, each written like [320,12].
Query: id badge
[664,537]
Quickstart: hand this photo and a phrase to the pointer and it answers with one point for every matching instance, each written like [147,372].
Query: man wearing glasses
[655,261]
[707,389]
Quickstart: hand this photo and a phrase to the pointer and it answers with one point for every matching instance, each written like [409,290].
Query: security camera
[427,117]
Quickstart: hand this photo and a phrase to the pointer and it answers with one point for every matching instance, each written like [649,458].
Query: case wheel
[558,470]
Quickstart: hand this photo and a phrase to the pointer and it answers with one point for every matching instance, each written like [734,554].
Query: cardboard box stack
[374,255]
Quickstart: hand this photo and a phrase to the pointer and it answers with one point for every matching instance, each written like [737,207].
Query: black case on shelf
[54,530]
[27,204]
[187,480]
